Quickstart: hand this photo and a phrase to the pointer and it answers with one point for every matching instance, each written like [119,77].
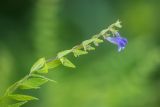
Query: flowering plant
[118,40]
[35,78]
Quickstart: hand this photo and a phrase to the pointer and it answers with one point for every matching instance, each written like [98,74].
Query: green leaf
[33,83]
[44,69]
[106,35]
[17,104]
[118,24]
[53,63]
[38,65]
[43,77]
[20,97]
[66,62]
[90,48]
[63,53]
[113,30]
[78,52]
[86,43]
[97,41]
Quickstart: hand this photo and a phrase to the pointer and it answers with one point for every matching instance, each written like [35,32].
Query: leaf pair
[66,62]
[41,66]
[34,82]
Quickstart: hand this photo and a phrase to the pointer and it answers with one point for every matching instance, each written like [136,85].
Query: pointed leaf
[20,97]
[86,43]
[97,41]
[118,24]
[63,53]
[78,52]
[90,48]
[43,77]
[67,63]
[53,63]
[44,69]
[17,104]
[38,65]
[33,83]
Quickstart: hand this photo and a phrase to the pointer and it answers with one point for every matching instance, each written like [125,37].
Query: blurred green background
[30,29]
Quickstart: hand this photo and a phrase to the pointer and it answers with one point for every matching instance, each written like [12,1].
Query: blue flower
[118,40]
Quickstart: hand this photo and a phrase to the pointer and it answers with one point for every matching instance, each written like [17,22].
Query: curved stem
[103,33]
[16,85]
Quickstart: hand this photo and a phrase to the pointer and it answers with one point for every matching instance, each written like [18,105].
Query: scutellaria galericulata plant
[35,78]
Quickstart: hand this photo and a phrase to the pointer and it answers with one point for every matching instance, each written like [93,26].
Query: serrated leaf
[33,83]
[38,65]
[67,62]
[20,97]
[17,104]
[53,63]
[63,53]
[78,52]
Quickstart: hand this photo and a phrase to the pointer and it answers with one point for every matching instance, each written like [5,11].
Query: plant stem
[80,46]
[16,85]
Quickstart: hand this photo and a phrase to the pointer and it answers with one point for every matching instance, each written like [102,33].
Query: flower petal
[119,49]
[118,40]
[111,39]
